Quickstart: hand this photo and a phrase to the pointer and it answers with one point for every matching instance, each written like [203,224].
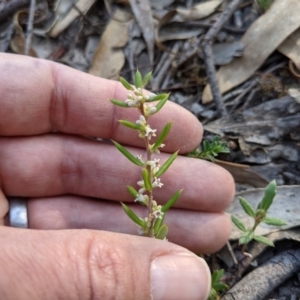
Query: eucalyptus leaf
[162,136]
[269,195]
[126,153]
[274,221]
[238,223]
[246,237]
[172,201]
[119,103]
[166,165]
[162,232]
[133,216]
[264,240]
[126,84]
[130,124]
[247,207]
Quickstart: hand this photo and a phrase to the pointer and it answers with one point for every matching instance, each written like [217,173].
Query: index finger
[39,96]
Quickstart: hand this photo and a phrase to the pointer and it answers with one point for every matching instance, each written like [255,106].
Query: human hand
[62,174]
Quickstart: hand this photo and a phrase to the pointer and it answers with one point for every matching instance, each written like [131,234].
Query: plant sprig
[259,215]
[151,170]
[209,150]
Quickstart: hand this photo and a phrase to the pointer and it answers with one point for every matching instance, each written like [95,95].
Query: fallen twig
[208,56]
[30,26]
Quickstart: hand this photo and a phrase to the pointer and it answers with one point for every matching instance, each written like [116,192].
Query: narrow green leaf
[158,97]
[269,195]
[172,201]
[146,178]
[119,103]
[161,103]
[130,124]
[247,207]
[216,276]
[132,191]
[238,223]
[162,136]
[133,216]
[138,80]
[274,221]
[147,78]
[220,286]
[166,165]
[126,153]
[246,237]
[213,295]
[158,224]
[126,84]
[162,232]
[264,240]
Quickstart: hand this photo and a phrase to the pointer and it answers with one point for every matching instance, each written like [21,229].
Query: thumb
[86,264]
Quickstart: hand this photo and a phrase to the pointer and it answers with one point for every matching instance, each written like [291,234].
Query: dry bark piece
[261,39]
[285,206]
[263,280]
[109,57]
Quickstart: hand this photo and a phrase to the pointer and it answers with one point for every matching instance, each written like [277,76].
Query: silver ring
[17,214]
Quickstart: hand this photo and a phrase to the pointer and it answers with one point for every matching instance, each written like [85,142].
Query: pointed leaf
[138,80]
[126,84]
[146,178]
[133,216]
[158,224]
[246,237]
[119,103]
[132,191]
[247,207]
[147,78]
[216,276]
[166,165]
[269,195]
[238,223]
[162,136]
[126,153]
[130,124]
[264,240]
[161,103]
[171,202]
[220,286]
[162,232]
[158,97]
[274,221]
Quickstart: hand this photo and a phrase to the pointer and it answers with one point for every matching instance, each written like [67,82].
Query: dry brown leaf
[243,174]
[143,15]
[109,57]
[291,48]
[199,11]
[260,40]
[65,20]
[18,41]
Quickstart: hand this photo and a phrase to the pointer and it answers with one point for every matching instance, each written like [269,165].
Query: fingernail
[180,276]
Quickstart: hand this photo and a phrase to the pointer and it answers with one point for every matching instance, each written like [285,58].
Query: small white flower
[154,165]
[140,158]
[141,183]
[142,198]
[158,214]
[141,121]
[161,145]
[149,132]
[157,183]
